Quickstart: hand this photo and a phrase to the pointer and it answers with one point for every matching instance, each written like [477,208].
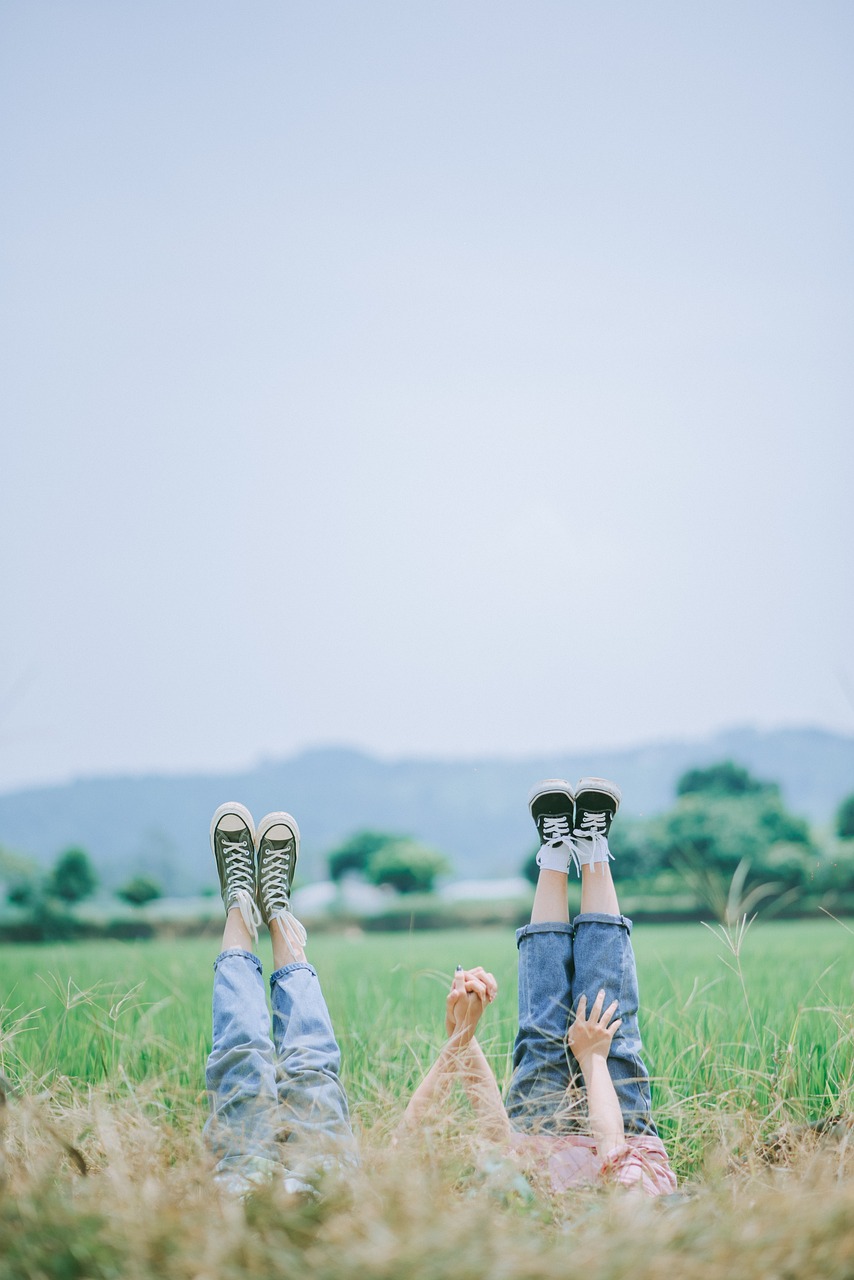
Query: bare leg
[235,933]
[284,952]
[598,893]
[550,901]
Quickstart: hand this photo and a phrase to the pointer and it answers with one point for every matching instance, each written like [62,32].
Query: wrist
[588,1062]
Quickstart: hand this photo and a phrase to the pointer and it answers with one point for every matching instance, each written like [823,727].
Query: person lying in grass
[578,1105]
[277,1102]
[278,1107]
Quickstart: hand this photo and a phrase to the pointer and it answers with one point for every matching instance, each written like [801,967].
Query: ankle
[284,952]
[235,933]
[550,898]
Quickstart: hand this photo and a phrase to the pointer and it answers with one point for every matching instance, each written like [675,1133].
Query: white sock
[591,851]
[555,856]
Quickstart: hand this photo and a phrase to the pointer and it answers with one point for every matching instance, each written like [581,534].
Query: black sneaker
[596,802]
[277,843]
[233,846]
[552,806]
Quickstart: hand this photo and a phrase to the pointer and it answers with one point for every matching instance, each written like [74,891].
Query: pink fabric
[573,1161]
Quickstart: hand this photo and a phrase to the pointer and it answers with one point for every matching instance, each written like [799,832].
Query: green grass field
[746,1039]
[769,1030]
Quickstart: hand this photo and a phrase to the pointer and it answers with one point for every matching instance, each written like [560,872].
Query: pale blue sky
[437,378]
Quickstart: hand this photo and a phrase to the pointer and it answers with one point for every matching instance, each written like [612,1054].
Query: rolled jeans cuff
[600,917]
[238,951]
[289,968]
[546,926]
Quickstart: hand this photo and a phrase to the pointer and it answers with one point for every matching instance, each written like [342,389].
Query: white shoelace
[556,827]
[241,880]
[271,890]
[590,843]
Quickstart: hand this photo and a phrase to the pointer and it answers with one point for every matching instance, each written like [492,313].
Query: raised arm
[471,991]
[590,1038]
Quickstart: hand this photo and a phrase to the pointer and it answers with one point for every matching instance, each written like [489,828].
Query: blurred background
[463,388]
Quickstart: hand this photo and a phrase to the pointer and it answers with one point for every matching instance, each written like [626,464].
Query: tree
[845,819]
[735,850]
[20,878]
[140,890]
[73,877]
[724,779]
[721,831]
[406,866]
[356,852]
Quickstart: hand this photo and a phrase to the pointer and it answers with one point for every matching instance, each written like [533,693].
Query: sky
[440,379]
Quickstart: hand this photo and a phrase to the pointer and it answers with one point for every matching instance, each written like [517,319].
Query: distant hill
[473,810]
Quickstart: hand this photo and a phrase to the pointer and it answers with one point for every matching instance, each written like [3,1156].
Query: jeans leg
[603,955]
[312,1103]
[240,1074]
[542,1064]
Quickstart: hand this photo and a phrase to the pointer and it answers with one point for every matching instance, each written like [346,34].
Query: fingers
[479,982]
[597,1015]
[475,987]
[609,1013]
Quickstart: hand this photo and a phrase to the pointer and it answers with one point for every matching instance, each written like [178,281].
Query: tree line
[728,837]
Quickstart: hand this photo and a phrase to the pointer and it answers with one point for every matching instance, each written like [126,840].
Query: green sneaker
[233,845]
[277,844]
[596,802]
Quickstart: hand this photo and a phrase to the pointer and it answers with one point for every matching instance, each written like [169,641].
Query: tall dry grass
[146,1207]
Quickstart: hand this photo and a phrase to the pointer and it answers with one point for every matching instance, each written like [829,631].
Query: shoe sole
[550,784]
[603,785]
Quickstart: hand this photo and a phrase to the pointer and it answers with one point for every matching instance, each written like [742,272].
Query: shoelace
[590,840]
[556,827]
[274,896]
[241,881]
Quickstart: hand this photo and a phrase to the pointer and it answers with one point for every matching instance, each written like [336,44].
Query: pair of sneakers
[256,868]
[573,823]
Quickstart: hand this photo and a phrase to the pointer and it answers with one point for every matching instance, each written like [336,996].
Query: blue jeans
[557,964]
[273,1103]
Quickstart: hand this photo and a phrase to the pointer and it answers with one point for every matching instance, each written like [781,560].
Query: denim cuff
[599,917]
[289,968]
[238,951]
[546,926]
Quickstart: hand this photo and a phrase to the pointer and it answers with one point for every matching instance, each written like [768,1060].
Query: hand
[471,991]
[590,1037]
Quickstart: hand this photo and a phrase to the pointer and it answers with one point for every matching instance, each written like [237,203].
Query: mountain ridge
[474,810]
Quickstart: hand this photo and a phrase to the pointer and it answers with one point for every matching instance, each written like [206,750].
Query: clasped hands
[472,990]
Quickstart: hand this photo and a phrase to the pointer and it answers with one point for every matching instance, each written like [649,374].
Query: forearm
[482,1088]
[436,1085]
[603,1107]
